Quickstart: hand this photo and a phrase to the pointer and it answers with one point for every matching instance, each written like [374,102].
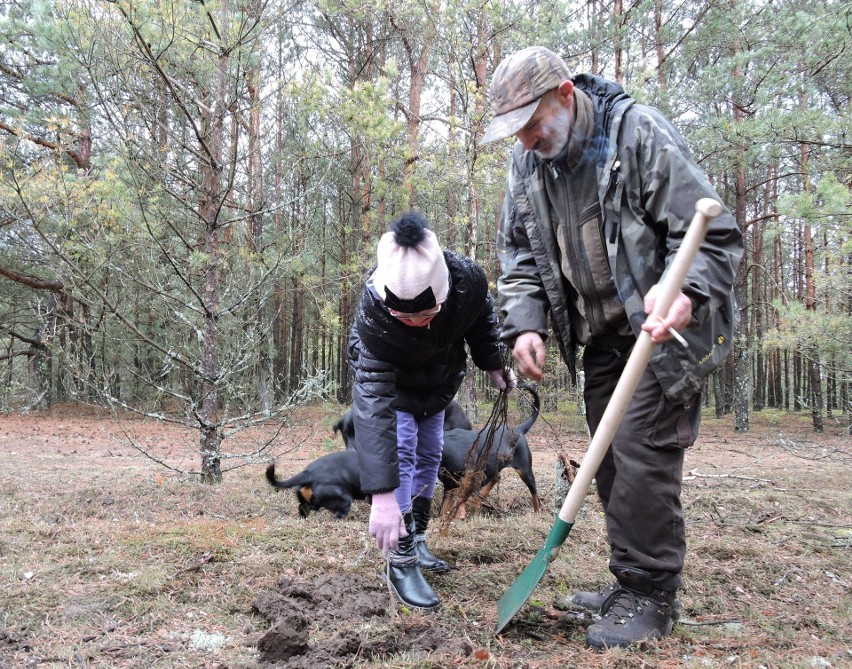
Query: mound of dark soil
[335,619]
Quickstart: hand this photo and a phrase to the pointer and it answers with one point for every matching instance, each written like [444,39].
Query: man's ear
[566,90]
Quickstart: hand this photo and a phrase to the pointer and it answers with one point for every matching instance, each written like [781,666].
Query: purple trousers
[420,442]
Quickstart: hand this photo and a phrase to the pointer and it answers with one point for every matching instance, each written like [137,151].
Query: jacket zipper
[582,275]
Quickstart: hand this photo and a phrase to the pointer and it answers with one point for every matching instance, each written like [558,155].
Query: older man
[599,195]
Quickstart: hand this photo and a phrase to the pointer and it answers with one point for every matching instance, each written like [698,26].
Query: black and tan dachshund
[509,448]
[329,482]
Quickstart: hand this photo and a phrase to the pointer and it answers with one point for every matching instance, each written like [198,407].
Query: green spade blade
[519,592]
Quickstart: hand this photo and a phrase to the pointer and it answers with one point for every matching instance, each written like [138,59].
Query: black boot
[421,509]
[633,612]
[404,576]
[588,601]
[592,602]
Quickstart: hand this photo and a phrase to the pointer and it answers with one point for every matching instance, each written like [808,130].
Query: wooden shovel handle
[705,209]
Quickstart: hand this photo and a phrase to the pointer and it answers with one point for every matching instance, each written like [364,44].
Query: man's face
[547,131]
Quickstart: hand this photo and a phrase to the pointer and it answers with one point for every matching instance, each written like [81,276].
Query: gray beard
[557,155]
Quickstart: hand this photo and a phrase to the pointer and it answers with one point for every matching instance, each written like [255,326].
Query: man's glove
[386,523]
[504,379]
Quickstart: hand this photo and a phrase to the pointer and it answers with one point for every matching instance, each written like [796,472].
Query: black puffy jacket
[415,369]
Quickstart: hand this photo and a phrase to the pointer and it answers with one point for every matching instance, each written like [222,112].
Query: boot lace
[622,604]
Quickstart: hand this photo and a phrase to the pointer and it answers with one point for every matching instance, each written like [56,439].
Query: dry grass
[106,560]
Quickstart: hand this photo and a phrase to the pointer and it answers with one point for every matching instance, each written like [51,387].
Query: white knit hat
[411,274]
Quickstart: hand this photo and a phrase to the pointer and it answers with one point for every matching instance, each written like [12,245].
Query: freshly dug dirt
[344,606]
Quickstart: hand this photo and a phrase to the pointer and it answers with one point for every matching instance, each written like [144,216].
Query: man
[599,195]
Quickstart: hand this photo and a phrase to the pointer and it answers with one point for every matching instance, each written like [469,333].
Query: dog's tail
[298,479]
[346,427]
[528,423]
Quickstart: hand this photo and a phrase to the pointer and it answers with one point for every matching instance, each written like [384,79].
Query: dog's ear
[305,497]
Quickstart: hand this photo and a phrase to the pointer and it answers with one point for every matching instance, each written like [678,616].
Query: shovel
[518,593]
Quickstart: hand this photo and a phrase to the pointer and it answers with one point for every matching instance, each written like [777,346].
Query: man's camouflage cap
[517,86]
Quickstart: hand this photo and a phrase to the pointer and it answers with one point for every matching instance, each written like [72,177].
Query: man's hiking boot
[592,602]
[634,611]
[630,617]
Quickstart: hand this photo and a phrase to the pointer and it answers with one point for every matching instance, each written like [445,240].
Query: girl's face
[418,319]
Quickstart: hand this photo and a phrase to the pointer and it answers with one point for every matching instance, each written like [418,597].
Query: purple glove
[386,523]
[504,379]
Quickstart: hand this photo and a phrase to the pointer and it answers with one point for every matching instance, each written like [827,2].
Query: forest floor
[111,557]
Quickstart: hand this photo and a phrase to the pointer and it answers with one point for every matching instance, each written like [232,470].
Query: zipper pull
[614,233]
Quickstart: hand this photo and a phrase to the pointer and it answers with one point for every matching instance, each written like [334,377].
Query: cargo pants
[639,480]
